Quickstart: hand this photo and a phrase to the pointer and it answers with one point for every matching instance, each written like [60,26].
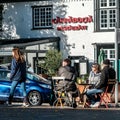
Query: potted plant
[52,62]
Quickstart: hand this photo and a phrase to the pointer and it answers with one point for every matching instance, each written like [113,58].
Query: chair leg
[84,101]
[58,100]
[102,100]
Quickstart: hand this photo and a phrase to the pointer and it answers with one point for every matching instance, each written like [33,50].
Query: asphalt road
[16,112]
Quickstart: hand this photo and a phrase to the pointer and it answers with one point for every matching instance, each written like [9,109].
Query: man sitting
[67,71]
[107,72]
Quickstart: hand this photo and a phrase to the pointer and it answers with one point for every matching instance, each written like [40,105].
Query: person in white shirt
[94,76]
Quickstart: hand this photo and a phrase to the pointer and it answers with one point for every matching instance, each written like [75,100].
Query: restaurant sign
[70,20]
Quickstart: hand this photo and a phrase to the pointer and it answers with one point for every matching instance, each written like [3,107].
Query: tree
[52,62]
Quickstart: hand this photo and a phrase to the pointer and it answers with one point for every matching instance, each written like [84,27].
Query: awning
[27,42]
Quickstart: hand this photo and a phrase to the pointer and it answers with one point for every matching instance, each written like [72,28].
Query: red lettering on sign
[68,28]
[72,20]
[69,20]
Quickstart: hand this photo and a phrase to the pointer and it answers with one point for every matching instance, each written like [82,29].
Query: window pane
[112,2]
[108,18]
[112,18]
[106,53]
[42,17]
[106,9]
[1,16]
[109,54]
[112,53]
[107,3]
[103,16]
[103,3]
[36,17]
[112,63]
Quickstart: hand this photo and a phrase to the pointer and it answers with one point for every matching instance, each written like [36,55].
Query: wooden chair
[106,96]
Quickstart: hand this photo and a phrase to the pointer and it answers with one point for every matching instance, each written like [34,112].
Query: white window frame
[108,19]
[108,8]
[112,60]
[108,2]
[42,20]
[108,54]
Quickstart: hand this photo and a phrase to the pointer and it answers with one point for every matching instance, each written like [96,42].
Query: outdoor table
[82,89]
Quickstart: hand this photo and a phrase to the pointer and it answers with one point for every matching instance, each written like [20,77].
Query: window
[42,17]
[105,14]
[107,19]
[107,3]
[1,16]
[109,53]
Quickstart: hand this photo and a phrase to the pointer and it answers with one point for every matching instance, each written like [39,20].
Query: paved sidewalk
[46,112]
[46,105]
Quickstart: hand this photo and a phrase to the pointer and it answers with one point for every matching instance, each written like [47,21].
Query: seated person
[94,76]
[107,72]
[69,73]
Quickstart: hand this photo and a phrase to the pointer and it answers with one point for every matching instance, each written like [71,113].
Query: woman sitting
[94,79]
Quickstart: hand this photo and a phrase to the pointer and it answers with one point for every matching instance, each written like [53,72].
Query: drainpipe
[116,64]
[36,62]
[95,52]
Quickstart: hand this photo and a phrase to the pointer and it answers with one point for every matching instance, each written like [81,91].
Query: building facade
[78,28]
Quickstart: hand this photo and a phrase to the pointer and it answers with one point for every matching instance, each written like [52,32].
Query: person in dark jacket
[107,72]
[67,71]
[18,74]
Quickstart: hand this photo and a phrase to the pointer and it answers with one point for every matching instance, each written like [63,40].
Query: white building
[76,27]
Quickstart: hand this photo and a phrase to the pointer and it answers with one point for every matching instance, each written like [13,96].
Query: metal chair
[59,91]
[62,95]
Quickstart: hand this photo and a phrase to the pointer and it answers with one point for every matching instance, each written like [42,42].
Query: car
[38,88]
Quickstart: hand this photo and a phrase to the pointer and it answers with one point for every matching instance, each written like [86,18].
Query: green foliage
[52,62]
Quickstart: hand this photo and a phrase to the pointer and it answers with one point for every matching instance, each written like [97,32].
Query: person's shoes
[95,105]
[25,105]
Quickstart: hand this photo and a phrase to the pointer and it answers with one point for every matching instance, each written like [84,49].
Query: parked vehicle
[38,88]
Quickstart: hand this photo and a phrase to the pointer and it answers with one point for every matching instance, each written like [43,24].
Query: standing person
[18,74]
[107,72]
[94,76]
